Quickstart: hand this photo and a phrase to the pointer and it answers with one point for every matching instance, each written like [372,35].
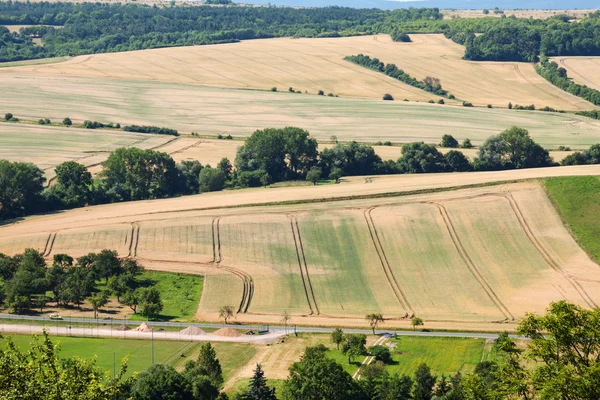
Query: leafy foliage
[558,77]
[21,185]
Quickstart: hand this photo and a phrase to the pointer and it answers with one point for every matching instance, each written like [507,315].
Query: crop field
[48,146]
[212,111]
[583,70]
[473,256]
[310,65]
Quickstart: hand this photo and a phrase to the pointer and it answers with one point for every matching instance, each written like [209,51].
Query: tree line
[429,84]
[99,28]
[268,156]
[26,279]
[560,361]
[558,77]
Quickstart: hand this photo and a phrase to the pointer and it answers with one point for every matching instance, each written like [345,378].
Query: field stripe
[310,286]
[135,238]
[300,265]
[470,264]
[49,244]
[544,253]
[387,269]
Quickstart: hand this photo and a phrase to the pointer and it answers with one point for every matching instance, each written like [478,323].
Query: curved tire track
[308,288]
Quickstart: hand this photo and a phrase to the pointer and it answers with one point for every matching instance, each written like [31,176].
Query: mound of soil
[229,332]
[143,328]
[192,330]
[123,328]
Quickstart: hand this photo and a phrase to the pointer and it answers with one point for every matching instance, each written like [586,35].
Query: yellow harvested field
[469,258]
[583,70]
[536,14]
[310,65]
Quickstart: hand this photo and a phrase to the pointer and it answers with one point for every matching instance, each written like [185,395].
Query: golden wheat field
[464,258]
[310,65]
[583,70]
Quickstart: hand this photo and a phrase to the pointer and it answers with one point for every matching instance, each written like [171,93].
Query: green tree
[335,174]
[395,388]
[206,364]
[107,264]
[354,345]
[67,121]
[424,383]
[458,162]
[513,148]
[388,97]
[119,285]
[211,179]
[300,150]
[419,157]
[161,382]
[135,174]
[226,312]
[381,353]
[150,302]
[466,144]
[225,166]
[39,373]
[337,337]
[131,299]
[29,279]
[73,182]
[316,376]
[449,141]
[314,175]
[189,176]
[258,389]
[97,301]
[8,116]
[21,185]
[416,321]
[374,319]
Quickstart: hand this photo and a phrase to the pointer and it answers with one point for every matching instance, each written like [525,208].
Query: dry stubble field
[317,64]
[583,70]
[466,258]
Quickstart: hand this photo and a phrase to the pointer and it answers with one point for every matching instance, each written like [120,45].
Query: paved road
[274,329]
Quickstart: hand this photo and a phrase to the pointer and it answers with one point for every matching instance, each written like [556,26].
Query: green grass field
[240,112]
[138,351]
[180,294]
[578,202]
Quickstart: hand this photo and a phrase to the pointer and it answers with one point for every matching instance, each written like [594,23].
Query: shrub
[449,141]
[150,129]
[564,148]
[67,121]
[451,97]
[467,104]
[219,136]
[229,137]
[118,125]
[330,94]
[273,89]
[387,143]
[291,89]
[441,101]
[321,93]
[466,144]
[8,116]
[381,353]
[398,36]
[510,106]
[431,102]
[388,96]
[489,106]
[486,11]
[42,121]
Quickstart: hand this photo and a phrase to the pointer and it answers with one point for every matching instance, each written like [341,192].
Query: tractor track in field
[135,239]
[306,282]
[545,254]
[470,264]
[247,280]
[49,244]
[385,264]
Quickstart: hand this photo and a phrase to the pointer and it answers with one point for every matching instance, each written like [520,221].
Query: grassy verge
[180,294]
[577,200]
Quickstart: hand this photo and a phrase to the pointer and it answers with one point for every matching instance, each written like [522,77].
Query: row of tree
[25,280]
[558,77]
[267,156]
[429,84]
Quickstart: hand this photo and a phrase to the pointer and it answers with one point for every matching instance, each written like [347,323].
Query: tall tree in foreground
[424,383]
[206,364]
[21,185]
[258,389]
[337,337]
[374,319]
[226,312]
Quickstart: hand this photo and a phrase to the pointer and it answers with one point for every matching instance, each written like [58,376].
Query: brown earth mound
[143,328]
[229,332]
[192,330]
[123,328]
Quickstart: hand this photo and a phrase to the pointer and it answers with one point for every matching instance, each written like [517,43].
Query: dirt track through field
[303,267]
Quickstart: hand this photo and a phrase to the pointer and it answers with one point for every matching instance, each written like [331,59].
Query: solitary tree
[416,321]
[374,320]
[285,319]
[150,302]
[449,141]
[8,116]
[388,96]
[354,345]
[226,312]
[335,174]
[206,364]
[67,121]
[337,337]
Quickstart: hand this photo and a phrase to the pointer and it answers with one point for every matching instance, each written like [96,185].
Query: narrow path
[368,359]
[300,266]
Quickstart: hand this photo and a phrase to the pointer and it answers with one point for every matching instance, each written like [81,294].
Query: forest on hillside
[68,29]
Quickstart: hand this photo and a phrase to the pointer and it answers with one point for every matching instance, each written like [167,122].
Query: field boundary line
[469,262]
[135,238]
[310,286]
[544,253]
[300,266]
[385,265]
